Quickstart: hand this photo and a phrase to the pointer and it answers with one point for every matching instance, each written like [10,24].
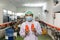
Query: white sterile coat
[31,35]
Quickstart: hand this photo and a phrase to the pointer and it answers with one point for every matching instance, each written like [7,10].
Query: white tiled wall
[1,16]
[4,4]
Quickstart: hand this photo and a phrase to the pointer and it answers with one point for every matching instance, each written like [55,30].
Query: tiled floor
[42,37]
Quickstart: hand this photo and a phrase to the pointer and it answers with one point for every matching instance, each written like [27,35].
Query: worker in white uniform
[30,29]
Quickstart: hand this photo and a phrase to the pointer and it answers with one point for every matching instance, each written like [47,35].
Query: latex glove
[34,30]
[27,32]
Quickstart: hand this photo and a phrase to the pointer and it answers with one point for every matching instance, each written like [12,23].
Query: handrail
[3,25]
[52,26]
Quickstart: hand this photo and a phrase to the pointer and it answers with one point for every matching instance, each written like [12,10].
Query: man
[30,29]
[37,19]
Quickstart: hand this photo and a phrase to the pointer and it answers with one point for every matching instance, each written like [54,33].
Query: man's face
[29,17]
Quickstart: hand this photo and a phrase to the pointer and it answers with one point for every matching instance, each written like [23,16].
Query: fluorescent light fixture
[19,14]
[34,4]
[5,11]
[44,6]
[10,12]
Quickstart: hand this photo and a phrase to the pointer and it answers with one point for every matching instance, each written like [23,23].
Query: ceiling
[18,3]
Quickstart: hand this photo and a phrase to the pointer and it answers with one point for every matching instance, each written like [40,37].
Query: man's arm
[39,30]
[22,31]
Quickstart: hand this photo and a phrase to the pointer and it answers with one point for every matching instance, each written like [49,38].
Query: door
[57,19]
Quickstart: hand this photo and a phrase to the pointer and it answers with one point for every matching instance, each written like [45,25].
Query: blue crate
[10,38]
[9,32]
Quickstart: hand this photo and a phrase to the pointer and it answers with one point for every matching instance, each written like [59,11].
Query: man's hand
[26,32]
[34,30]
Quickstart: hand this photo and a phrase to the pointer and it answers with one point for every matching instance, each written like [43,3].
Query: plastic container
[9,32]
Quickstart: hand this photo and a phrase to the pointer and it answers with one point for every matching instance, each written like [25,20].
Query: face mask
[29,18]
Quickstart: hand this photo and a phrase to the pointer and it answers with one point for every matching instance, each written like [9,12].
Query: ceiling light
[5,11]
[34,4]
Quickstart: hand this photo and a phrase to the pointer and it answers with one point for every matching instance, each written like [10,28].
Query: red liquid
[27,28]
[32,27]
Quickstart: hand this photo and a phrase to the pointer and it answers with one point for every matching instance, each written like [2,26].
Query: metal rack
[53,31]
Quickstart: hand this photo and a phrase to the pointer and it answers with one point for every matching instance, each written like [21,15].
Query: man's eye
[30,15]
